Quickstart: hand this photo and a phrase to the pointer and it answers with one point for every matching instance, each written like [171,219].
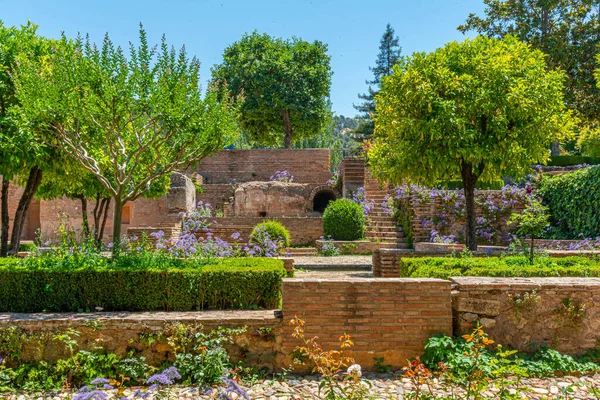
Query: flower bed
[138,283]
[515,266]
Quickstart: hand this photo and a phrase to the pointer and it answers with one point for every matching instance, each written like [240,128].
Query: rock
[487,323]
[469,317]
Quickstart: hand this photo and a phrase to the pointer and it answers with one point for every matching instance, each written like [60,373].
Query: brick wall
[216,195]
[306,165]
[303,230]
[390,318]
[533,322]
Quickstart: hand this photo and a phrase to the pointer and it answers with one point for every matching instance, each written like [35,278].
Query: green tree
[130,122]
[568,31]
[22,157]
[531,222]
[283,86]
[483,108]
[389,55]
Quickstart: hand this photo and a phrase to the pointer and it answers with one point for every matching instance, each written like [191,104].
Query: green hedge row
[53,284]
[564,161]
[511,266]
[573,200]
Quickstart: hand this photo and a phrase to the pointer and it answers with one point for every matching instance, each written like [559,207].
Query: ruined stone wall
[390,318]
[306,165]
[541,315]
[272,199]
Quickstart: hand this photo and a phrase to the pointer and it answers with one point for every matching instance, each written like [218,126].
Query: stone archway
[321,196]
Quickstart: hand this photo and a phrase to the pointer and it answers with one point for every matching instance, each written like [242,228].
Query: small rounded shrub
[275,230]
[344,219]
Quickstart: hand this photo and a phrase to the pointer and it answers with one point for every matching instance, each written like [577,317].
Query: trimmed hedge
[511,266]
[565,161]
[344,219]
[573,200]
[52,284]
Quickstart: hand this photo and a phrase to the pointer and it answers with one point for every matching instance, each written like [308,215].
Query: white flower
[355,370]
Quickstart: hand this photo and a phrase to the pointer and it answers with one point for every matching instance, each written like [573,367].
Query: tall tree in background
[568,31]
[283,86]
[389,55]
[130,122]
[480,109]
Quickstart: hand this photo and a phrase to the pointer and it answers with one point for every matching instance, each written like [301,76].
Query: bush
[565,161]
[589,142]
[512,266]
[275,230]
[572,200]
[344,220]
[458,184]
[138,283]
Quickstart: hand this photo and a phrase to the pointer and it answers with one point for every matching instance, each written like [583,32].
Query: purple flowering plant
[282,176]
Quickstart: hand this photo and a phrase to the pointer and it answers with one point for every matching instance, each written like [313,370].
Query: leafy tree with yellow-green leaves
[480,109]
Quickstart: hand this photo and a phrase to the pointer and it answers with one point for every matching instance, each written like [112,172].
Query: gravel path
[383,386]
[343,261]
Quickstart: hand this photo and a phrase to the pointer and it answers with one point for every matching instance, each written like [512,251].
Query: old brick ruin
[237,185]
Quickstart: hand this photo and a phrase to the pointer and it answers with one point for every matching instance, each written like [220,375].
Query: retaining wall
[542,317]
[389,318]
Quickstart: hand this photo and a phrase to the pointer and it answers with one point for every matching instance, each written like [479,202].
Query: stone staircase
[382,227]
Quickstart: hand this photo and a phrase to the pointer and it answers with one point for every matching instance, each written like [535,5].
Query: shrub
[276,232]
[512,266]
[565,161]
[139,283]
[344,220]
[572,200]
[589,142]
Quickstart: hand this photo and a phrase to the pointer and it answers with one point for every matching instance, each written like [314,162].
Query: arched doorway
[322,199]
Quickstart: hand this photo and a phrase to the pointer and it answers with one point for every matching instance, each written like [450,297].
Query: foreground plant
[340,376]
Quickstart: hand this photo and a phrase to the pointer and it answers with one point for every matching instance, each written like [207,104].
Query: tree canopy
[129,121]
[283,87]
[22,157]
[568,31]
[483,108]
[389,55]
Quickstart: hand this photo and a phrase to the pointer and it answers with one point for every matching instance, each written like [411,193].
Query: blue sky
[351,28]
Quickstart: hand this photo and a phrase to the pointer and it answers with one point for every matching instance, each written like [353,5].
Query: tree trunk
[102,219]
[531,252]
[85,225]
[289,132]
[117,217]
[469,178]
[33,182]
[4,218]
[555,149]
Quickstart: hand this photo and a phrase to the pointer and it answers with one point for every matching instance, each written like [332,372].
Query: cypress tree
[389,55]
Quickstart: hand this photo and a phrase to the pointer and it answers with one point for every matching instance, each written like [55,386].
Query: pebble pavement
[382,386]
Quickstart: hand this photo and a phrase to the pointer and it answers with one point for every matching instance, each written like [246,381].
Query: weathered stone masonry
[390,318]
